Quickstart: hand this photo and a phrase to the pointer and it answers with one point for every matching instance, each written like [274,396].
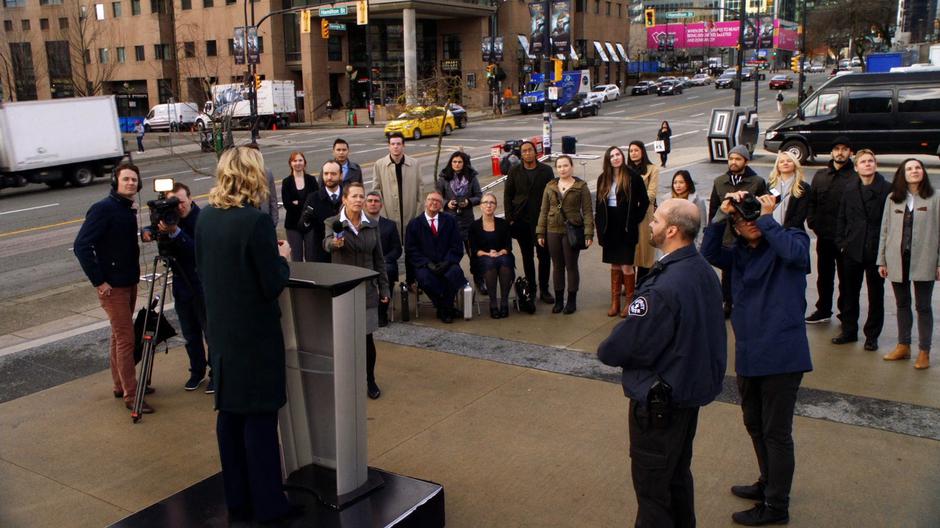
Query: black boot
[547,297]
[559,301]
[572,303]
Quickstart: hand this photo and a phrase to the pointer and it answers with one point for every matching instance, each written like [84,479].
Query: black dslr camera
[748,207]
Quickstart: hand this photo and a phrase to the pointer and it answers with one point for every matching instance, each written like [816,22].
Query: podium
[323,425]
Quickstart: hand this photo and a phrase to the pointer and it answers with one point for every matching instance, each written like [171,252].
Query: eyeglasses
[487,203]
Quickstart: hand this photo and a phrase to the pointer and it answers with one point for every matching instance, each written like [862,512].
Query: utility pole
[546,70]
[800,92]
[253,93]
[742,14]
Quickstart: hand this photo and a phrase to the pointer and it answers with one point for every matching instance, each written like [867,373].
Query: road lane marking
[697,115]
[28,209]
[617,112]
[657,104]
[692,97]
[202,178]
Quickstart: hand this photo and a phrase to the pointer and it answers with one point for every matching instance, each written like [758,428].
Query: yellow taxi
[421,121]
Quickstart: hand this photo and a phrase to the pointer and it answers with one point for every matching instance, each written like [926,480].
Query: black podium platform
[402,502]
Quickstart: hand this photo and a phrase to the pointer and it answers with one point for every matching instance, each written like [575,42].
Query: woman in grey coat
[909,251]
[354,240]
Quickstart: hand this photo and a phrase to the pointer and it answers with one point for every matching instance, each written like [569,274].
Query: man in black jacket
[319,206]
[825,198]
[739,177]
[391,246]
[351,170]
[106,247]
[857,235]
[522,201]
[187,290]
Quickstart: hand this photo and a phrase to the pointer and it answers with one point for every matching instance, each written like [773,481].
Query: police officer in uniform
[672,348]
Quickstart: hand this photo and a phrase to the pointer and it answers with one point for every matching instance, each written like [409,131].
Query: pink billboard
[781,34]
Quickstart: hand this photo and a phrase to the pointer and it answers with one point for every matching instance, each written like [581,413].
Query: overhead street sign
[333,11]
[680,14]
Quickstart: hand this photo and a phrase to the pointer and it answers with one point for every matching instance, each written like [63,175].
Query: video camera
[164,210]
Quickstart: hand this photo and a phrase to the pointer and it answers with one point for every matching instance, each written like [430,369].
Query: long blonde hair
[796,190]
[240,179]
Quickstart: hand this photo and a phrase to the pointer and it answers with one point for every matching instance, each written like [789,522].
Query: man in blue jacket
[434,248]
[768,265]
[106,247]
[187,290]
[673,350]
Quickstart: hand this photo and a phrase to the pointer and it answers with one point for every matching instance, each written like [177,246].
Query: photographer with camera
[106,247]
[768,265]
[173,226]
[673,350]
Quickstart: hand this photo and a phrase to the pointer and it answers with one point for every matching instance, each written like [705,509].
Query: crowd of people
[661,260]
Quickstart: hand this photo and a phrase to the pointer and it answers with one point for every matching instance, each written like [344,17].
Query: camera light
[163,184]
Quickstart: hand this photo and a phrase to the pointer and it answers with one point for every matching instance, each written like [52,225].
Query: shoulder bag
[573,232]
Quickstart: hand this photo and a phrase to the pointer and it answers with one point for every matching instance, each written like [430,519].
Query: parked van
[162,115]
[889,113]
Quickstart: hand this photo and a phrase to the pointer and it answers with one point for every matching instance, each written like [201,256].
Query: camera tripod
[149,335]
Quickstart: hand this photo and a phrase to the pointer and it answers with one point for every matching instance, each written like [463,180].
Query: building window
[231,47]
[135,7]
[60,69]
[260,44]
[24,74]
[87,56]
[158,6]
[25,24]
[63,23]
[14,3]
[189,49]
[597,7]
[162,52]
[334,48]
[121,55]
[164,90]
[116,9]
[103,55]
[211,50]
[230,2]
[139,53]
[619,10]
[186,4]
[207,3]
[50,2]
[8,25]
[43,24]
[579,6]
[607,9]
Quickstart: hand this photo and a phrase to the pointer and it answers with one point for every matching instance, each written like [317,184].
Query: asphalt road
[38,224]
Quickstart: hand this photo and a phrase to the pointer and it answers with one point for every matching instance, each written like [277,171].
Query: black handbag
[573,232]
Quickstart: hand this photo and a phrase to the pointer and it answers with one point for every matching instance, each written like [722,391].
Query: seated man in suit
[434,247]
[391,245]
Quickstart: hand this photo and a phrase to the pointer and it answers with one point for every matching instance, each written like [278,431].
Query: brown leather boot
[923,360]
[616,281]
[629,284]
[899,352]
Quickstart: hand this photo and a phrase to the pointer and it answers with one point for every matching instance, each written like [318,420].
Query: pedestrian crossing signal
[305,21]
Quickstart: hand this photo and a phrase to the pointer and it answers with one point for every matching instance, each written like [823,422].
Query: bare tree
[84,35]
[861,22]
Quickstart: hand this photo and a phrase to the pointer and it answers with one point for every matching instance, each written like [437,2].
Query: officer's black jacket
[675,329]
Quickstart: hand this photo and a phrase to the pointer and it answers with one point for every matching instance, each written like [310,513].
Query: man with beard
[825,197]
[673,350]
[739,177]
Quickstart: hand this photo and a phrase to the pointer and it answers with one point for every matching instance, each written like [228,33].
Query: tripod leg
[149,336]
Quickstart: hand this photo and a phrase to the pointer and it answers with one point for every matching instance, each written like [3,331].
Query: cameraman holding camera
[176,227]
[768,265]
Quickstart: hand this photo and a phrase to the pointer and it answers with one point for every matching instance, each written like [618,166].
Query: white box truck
[59,141]
[277,105]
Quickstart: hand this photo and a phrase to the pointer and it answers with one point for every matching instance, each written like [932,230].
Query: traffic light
[650,17]
[305,21]
[257,82]
[325,28]
[795,64]
[490,71]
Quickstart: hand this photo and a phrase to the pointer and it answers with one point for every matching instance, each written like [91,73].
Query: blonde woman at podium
[243,268]
[354,240]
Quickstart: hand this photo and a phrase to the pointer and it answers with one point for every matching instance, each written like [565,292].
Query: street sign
[333,11]
[680,14]
[337,27]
